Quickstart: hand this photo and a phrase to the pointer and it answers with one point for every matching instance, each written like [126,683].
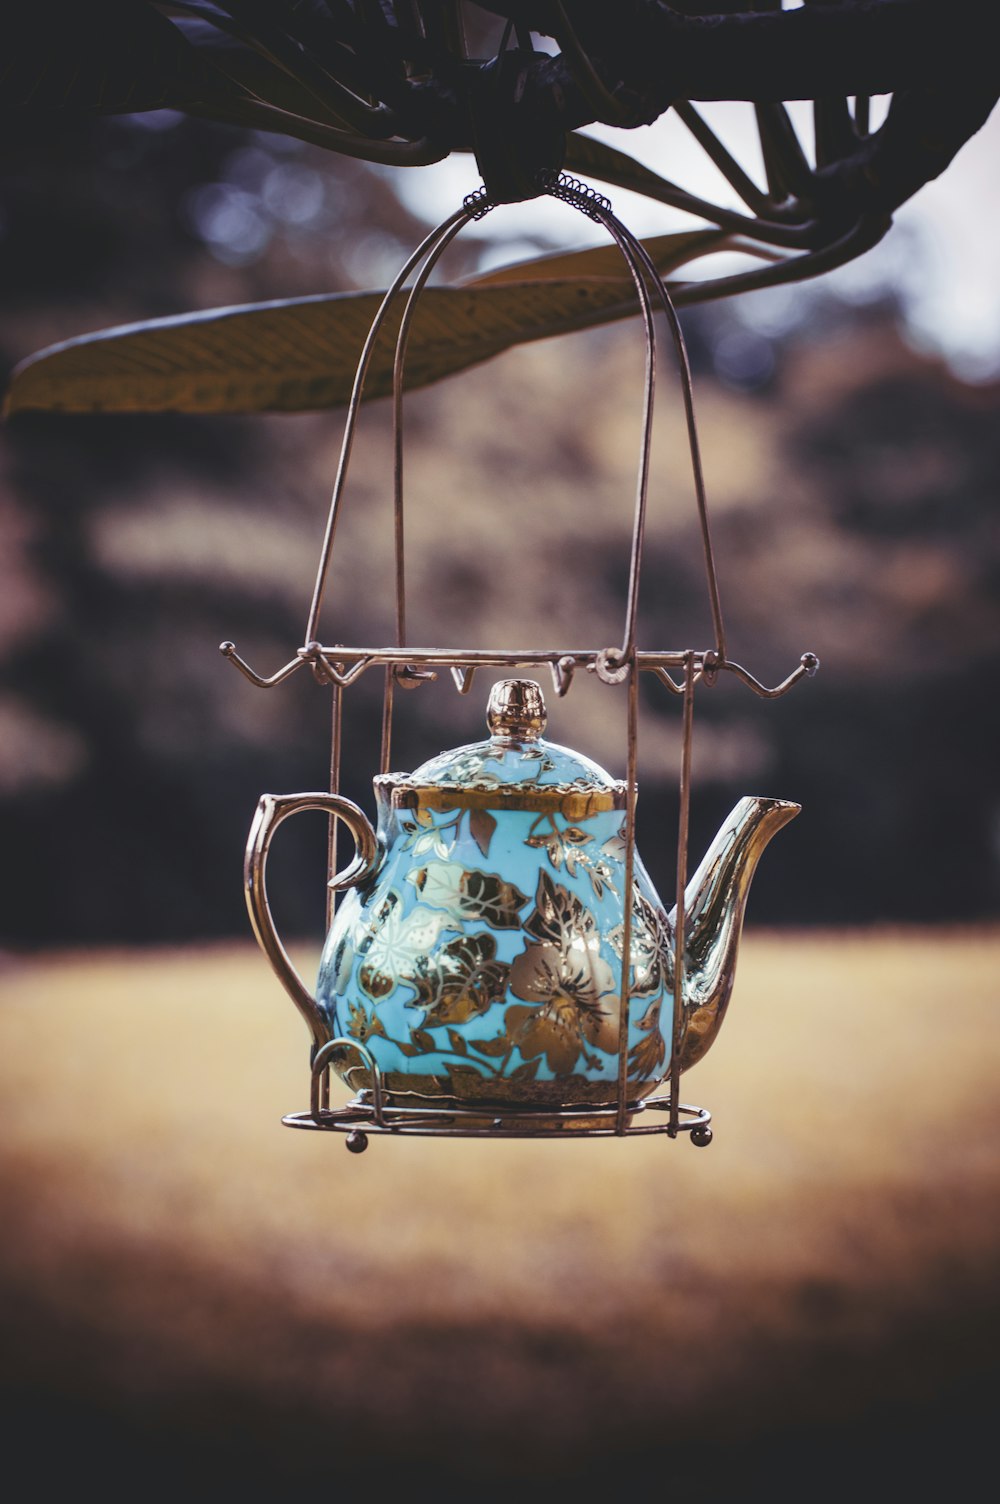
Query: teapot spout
[714,903]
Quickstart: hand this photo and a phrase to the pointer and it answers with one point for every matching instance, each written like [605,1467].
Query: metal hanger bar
[336,721]
[631,789]
[461,216]
[402,342]
[641,268]
[446,235]
[385,758]
[584,199]
[332,664]
[339,657]
[626,244]
[680,917]
[694,448]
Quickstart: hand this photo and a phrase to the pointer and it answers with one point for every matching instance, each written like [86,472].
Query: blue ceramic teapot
[477,954]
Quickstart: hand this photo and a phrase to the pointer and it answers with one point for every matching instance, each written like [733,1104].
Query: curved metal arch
[644,277]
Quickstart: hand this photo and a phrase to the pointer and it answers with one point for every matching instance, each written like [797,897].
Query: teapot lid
[515,769]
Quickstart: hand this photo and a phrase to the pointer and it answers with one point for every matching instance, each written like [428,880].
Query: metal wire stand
[371,1112]
[339,667]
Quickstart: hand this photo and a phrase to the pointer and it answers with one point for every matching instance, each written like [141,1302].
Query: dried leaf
[300,353]
[466,894]
[457,1042]
[647,1057]
[488,897]
[668,252]
[464,982]
[615,846]
[558,915]
[481,827]
[651,1017]
[493,1047]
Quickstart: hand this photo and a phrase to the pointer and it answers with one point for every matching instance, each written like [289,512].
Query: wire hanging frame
[338,667]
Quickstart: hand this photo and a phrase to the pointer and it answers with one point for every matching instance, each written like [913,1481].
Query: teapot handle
[271,810]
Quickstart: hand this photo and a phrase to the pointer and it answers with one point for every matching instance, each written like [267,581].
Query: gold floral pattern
[571,1003]
[466,894]
[394,944]
[466,765]
[650,953]
[568,1001]
[646,1057]
[362,1025]
[650,947]
[564,847]
[424,835]
[464,982]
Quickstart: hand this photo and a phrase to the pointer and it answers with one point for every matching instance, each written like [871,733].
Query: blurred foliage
[302,353]
[852,483]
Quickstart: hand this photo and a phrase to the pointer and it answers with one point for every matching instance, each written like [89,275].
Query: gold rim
[574,803]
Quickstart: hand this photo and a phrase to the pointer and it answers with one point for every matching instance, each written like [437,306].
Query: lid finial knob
[516,711]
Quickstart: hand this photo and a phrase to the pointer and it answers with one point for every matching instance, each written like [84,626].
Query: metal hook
[669,681]
[409,677]
[808,666]
[562,670]
[228,650]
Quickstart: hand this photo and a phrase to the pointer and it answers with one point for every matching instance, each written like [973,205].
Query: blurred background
[191,1292]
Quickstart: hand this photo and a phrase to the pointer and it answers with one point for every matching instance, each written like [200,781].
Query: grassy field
[189,1293]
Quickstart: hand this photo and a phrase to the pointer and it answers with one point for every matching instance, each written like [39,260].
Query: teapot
[477,955]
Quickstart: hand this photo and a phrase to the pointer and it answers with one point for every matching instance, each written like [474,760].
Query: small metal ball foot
[356,1141]
[702,1136]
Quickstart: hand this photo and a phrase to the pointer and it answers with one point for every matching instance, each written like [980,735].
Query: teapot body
[482,961]
[478,953]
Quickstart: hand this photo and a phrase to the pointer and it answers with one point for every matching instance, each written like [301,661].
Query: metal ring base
[359,1118]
